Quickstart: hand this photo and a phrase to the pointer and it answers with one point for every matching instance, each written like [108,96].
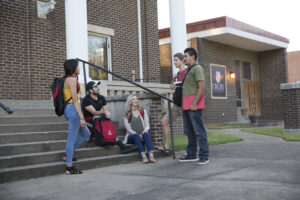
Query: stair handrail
[140,86]
[6,108]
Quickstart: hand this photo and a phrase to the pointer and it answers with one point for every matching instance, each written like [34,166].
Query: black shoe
[72,170]
[203,161]
[127,149]
[188,159]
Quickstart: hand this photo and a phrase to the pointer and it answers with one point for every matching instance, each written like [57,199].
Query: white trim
[165,41]
[228,30]
[255,37]
[109,65]
[101,30]
[207,33]
[108,46]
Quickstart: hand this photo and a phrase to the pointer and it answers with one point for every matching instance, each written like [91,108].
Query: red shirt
[181,74]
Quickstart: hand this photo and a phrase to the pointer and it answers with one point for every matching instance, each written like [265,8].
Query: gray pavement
[260,167]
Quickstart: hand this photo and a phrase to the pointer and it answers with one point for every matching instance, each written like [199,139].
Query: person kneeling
[94,105]
[136,122]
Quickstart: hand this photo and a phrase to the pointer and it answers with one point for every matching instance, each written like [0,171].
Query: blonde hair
[128,106]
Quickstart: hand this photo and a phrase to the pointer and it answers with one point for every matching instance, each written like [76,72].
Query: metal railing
[140,86]
[6,108]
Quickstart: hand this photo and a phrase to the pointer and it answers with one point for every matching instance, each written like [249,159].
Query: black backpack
[57,95]
[177,96]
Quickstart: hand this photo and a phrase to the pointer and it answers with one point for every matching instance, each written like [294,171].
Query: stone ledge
[295,131]
[286,86]
[123,97]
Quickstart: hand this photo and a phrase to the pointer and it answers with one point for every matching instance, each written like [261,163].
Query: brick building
[33,49]
[293,59]
[228,48]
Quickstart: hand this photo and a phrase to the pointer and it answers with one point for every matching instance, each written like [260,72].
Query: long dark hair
[70,66]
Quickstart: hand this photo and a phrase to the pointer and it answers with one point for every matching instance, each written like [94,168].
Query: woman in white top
[136,122]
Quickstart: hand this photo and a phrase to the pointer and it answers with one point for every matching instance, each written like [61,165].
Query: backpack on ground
[104,131]
[57,95]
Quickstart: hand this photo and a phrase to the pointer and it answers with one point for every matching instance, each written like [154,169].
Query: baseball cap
[91,84]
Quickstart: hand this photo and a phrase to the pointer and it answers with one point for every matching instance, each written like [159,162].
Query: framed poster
[218,81]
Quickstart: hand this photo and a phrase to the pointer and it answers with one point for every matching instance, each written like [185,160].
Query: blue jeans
[136,139]
[194,129]
[73,141]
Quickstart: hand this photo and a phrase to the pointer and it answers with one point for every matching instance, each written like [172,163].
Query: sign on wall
[218,81]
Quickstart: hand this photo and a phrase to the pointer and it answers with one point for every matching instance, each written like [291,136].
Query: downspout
[28,52]
[140,40]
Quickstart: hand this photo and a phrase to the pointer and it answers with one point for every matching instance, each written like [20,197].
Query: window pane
[98,56]
[246,70]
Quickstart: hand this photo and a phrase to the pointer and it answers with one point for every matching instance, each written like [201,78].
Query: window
[99,54]
[246,70]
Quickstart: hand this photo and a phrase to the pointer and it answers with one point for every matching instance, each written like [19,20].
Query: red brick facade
[31,56]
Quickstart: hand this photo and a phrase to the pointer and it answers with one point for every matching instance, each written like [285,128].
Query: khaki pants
[176,112]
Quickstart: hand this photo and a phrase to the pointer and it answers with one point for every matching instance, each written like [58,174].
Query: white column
[177,28]
[76,33]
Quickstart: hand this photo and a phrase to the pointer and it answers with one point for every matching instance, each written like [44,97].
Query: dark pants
[136,139]
[194,129]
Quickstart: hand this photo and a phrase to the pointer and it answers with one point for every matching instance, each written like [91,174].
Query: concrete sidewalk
[261,167]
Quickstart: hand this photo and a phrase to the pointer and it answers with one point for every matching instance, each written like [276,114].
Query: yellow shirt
[67,95]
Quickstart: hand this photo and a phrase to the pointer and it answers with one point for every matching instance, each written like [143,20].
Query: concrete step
[31,147]
[31,119]
[54,156]
[47,169]
[39,146]
[28,112]
[41,127]
[10,138]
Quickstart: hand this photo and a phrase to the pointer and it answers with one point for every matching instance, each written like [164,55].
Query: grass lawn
[228,126]
[276,132]
[213,139]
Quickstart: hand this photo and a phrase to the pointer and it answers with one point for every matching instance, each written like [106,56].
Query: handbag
[177,96]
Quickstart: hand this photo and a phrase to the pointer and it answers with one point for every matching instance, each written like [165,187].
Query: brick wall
[291,108]
[272,72]
[150,41]
[47,46]
[122,17]
[217,53]
[155,108]
[14,74]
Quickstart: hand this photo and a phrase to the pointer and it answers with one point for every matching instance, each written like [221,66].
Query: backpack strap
[141,112]
[77,88]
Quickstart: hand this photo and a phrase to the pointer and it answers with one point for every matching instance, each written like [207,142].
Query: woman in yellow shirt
[73,113]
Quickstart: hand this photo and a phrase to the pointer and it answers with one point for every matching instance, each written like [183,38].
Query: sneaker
[187,159]
[203,161]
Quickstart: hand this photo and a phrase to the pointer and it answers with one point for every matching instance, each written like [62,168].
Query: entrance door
[252,97]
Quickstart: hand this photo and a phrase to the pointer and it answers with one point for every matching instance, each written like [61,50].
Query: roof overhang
[231,32]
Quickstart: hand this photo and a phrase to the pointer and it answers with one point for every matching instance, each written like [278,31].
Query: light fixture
[232,75]
[43,8]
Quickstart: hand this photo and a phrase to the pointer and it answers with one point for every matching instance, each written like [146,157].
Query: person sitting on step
[94,105]
[136,122]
